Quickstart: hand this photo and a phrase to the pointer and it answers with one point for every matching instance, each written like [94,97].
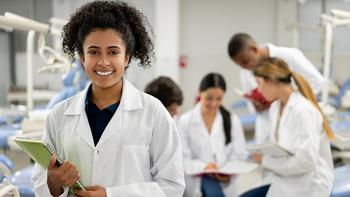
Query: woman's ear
[82,61]
[254,48]
[127,62]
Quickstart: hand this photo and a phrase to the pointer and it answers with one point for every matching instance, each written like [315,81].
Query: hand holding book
[258,99]
[65,175]
[44,155]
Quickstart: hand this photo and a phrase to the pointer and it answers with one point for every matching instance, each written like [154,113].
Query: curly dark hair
[166,90]
[126,20]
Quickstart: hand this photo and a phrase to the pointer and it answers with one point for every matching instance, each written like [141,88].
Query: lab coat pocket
[136,164]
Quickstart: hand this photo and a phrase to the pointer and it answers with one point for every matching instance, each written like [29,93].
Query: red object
[197,99]
[255,95]
[183,62]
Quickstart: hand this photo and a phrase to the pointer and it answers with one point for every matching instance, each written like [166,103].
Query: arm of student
[239,149]
[307,141]
[304,67]
[39,174]
[191,165]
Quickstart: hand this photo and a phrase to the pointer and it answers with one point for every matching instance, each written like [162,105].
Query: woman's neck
[207,113]
[104,97]
[285,92]
[208,118]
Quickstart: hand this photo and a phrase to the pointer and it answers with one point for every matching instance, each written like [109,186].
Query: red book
[256,96]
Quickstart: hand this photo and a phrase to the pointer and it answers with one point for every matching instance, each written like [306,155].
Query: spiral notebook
[41,153]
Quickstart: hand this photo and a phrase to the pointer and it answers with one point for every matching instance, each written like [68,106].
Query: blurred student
[211,137]
[168,92]
[245,52]
[300,127]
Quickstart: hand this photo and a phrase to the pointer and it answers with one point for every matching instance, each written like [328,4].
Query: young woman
[211,137]
[115,139]
[300,127]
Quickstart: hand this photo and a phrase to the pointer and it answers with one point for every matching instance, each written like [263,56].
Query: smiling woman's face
[211,99]
[104,58]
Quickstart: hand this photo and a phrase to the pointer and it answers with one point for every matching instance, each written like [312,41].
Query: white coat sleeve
[248,83]
[306,69]
[191,165]
[39,174]
[306,136]
[239,151]
[166,163]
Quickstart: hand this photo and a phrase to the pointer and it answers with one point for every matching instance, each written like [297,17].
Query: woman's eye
[92,52]
[114,52]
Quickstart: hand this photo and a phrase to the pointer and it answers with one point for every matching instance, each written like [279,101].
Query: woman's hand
[58,177]
[223,178]
[257,157]
[211,166]
[258,106]
[91,191]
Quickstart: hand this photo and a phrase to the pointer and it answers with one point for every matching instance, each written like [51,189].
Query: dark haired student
[168,92]
[211,137]
[115,139]
[246,53]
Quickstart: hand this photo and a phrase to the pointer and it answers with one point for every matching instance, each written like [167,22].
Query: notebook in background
[269,148]
[230,168]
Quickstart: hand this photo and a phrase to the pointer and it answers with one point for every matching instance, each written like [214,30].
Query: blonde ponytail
[307,92]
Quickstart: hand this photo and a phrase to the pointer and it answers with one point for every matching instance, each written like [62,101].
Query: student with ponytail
[211,136]
[300,127]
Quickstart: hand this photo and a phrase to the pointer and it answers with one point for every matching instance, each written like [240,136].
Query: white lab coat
[309,172]
[138,154]
[297,62]
[199,148]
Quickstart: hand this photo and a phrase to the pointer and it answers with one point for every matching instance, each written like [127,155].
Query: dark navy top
[98,119]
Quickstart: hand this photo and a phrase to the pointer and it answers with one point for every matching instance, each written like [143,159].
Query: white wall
[205,29]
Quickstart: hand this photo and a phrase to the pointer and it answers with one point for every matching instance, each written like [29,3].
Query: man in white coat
[244,51]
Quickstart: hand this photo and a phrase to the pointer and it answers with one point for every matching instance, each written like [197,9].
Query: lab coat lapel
[274,109]
[198,122]
[131,100]
[77,109]
[216,124]
[275,113]
[84,130]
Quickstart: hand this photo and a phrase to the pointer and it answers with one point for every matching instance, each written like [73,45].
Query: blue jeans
[210,187]
[256,192]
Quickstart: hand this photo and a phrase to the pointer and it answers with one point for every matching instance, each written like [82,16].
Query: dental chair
[22,180]
[6,188]
[341,184]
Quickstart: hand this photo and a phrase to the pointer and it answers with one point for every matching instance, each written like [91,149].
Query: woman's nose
[103,61]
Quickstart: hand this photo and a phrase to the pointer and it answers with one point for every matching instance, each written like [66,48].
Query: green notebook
[41,154]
